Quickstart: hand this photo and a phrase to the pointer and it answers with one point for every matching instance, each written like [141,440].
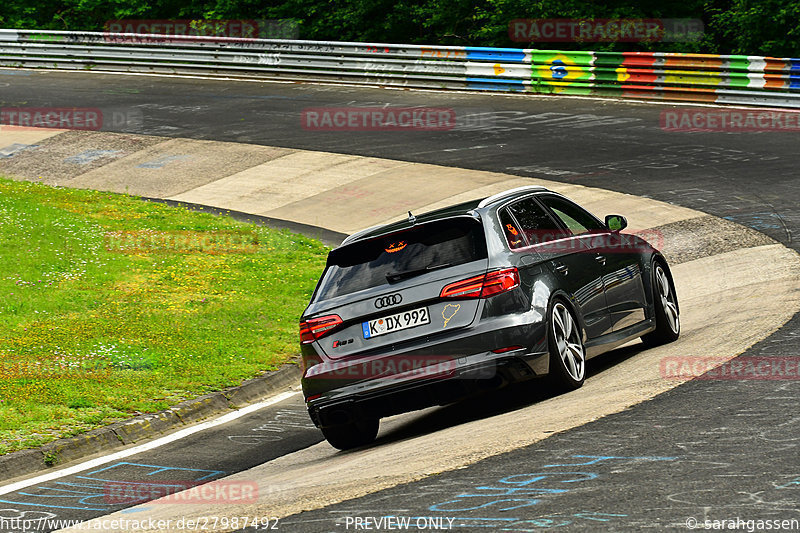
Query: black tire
[353,434]
[565,342]
[667,314]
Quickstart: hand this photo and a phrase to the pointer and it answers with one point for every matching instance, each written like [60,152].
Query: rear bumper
[437,384]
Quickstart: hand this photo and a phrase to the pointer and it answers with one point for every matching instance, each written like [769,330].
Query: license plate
[392,323]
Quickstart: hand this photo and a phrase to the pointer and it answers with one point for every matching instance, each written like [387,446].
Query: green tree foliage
[758,27]
[763,27]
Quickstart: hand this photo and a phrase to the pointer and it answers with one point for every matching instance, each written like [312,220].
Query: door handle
[561,268]
[600,259]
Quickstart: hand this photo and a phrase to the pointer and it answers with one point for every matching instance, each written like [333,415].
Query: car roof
[462,209]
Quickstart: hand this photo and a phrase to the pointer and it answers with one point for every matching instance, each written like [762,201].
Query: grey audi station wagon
[428,310]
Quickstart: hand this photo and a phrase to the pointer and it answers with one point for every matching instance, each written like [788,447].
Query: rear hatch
[387,289]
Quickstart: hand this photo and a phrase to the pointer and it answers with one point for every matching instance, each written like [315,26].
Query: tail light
[483,286]
[316,328]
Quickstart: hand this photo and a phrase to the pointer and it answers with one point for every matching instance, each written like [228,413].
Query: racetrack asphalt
[708,449]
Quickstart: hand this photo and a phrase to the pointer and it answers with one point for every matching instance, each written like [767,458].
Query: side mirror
[616,222]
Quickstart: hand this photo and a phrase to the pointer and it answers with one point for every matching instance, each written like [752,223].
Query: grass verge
[112,307]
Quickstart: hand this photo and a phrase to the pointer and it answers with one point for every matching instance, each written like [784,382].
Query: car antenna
[411,218]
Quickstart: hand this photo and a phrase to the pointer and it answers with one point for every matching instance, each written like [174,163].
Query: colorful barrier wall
[722,79]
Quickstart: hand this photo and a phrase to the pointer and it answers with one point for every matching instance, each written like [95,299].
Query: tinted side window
[512,231]
[535,223]
[577,219]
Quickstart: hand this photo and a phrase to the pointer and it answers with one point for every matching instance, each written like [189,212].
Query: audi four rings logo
[388,301]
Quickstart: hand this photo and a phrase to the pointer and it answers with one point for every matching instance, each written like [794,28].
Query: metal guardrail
[724,79]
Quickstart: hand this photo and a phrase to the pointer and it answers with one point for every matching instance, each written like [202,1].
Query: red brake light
[483,286]
[316,328]
[468,288]
[500,281]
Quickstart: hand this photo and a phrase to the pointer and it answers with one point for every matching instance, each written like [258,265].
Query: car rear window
[366,264]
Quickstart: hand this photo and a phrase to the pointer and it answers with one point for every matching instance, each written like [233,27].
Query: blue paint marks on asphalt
[132,510]
[79,485]
[163,160]
[793,483]
[136,470]
[529,489]
[84,158]
[81,497]
[468,521]
[12,149]
[51,506]
[93,493]
[527,479]
[759,221]
[594,459]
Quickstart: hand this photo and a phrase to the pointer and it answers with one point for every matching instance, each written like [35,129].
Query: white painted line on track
[147,446]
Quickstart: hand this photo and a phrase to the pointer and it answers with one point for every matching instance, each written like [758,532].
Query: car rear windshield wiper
[393,277]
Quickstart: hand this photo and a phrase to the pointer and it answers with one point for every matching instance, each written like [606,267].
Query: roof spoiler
[357,235]
[511,192]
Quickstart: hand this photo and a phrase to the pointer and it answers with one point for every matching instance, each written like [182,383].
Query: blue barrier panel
[501,55]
